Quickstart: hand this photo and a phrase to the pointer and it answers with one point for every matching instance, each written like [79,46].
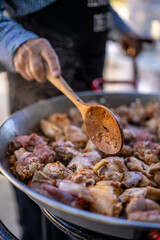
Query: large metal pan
[25,120]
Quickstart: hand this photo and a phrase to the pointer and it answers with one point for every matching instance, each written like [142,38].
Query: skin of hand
[131,43]
[32,58]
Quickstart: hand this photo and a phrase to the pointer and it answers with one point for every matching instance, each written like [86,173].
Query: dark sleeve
[118,22]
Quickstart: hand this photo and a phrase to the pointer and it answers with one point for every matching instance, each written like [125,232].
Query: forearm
[12,36]
[119,24]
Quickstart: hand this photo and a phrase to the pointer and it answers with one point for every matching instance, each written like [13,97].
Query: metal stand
[5,234]
[75,231]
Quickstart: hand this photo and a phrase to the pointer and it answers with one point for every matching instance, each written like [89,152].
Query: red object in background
[97,84]
[154,235]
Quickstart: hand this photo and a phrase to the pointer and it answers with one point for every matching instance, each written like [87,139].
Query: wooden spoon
[101,126]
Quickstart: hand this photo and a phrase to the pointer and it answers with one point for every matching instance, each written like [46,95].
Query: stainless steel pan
[25,120]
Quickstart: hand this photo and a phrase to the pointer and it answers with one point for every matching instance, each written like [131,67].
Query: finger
[36,67]
[21,66]
[28,72]
[51,58]
[24,74]
[124,44]
[137,48]
[131,52]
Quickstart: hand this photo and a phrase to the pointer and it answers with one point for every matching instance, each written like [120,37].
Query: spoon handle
[63,86]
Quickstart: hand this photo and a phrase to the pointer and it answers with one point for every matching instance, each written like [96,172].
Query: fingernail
[55,73]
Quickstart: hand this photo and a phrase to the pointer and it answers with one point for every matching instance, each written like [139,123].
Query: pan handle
[5,234]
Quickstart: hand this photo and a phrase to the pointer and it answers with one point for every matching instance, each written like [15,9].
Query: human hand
[132,43]
[31,58]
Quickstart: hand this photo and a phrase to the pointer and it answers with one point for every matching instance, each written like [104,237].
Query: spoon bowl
[103,129]
[101,125]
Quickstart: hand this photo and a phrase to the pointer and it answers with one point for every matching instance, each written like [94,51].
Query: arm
[130,41]
[12,36]
[119,23]
[24,52]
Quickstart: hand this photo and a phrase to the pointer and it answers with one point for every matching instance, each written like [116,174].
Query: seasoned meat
[144,135]
[50,130]
[145,181]
[130,193]
[75,116]
[77,190]
[141,204]
[129,134]
[59,119]
[131,179]
[123,111]
[76,136]
[28,141]
[85,177]
[154,170]
[134,164]
[122,121]
[126,151]
[136,113]
[116,186]
[105,201]
[153,124]
[148,192]
[152,193]
[84,161]
[132,134]
[41,177]
[64,150]
[145,151]
[90,147]
[146,216]
[64,197]
[157,148]
[26,164]
[153,109]
[140,209]
[44,153]
[57,171]
[110,168]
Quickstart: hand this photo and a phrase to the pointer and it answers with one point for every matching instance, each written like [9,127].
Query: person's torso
[86,19]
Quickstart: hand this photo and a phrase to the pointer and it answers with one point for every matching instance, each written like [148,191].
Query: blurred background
[144,17]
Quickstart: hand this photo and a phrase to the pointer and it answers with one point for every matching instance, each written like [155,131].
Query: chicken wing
[105,201]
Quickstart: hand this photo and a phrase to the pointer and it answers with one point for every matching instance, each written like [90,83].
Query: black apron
[77,30]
